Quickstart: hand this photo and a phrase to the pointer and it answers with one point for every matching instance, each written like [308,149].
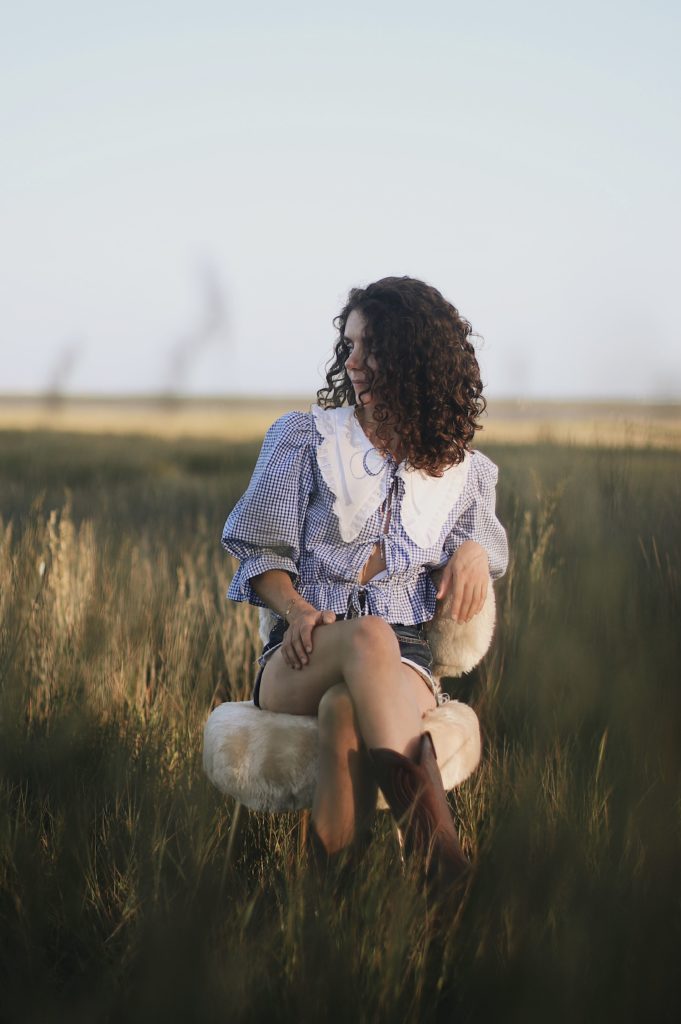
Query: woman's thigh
[298,691]
[423,695]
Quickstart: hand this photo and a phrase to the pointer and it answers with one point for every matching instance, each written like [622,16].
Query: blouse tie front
[357,602]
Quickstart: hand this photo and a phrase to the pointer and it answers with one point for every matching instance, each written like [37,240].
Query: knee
[336,714]
[373,638]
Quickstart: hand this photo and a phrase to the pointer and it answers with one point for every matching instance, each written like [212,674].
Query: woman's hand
[302,619]
[466,578]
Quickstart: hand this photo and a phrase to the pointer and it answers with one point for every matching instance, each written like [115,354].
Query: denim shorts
[414,651]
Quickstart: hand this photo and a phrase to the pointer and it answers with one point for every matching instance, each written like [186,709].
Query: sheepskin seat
[268,761]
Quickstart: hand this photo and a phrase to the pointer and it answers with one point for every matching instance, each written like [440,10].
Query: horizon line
[244,398]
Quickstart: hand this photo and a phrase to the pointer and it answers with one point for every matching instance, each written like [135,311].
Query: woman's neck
[370,427]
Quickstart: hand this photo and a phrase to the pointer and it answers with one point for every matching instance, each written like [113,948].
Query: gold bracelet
[290,606]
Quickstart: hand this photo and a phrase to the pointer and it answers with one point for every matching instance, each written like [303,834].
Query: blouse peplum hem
[385,598]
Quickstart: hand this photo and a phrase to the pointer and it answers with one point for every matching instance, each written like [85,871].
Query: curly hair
[427,386]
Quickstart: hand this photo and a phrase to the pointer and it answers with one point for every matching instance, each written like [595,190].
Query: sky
[189,190]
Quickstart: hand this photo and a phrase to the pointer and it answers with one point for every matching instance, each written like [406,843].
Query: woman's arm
[264,529]
[276,590]
[477,546]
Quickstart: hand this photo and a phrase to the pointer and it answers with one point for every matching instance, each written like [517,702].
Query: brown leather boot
[417,799]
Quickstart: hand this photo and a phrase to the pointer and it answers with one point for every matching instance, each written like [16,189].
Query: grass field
[117,901]
[507,421]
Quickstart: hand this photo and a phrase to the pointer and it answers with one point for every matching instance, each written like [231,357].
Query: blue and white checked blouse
[316,506]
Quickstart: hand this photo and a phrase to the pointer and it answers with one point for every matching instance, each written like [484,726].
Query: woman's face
[357,362]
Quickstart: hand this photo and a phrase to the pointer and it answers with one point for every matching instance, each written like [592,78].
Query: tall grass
[117,898]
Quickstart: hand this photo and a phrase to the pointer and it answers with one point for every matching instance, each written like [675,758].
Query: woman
[350,511]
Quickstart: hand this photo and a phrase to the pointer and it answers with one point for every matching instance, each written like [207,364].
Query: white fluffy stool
[268,761]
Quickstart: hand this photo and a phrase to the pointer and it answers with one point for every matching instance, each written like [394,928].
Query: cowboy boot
[417,799]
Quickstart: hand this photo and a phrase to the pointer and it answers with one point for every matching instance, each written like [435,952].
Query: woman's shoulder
[329,422]
[296,431]
[293,429]
[484,471]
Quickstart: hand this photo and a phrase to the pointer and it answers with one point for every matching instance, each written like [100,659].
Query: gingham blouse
[316,506]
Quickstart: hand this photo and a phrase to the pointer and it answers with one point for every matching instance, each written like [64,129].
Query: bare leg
[363,653]
[345,795]
[381,703]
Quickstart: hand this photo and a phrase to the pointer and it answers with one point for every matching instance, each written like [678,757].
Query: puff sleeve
[265,527]
[478,521]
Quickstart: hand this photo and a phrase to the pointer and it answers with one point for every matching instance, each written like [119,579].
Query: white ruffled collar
[354,471]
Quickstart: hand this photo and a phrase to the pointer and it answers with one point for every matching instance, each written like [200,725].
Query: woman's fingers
[306,633]
[306,639]
[297,645]
[474,595]
[287,654]
[457,597]
[483,595]
[293,647]
[288,650]
[298,651]
[467,599]
[475,601]
[472,600]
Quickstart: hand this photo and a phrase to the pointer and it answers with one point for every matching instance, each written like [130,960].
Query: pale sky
[190,189]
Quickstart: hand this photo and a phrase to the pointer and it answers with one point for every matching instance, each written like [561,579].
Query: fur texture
[269,761]
[459,647]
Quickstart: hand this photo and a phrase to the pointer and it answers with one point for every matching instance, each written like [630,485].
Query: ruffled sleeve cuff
[241,589]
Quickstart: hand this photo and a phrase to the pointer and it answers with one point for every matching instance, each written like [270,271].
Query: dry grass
[117,899]
[610,424]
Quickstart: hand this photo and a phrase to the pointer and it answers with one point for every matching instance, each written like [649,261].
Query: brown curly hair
[427,386]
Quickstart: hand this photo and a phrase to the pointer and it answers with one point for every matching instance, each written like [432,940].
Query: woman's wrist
[472,550]
[295,606]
